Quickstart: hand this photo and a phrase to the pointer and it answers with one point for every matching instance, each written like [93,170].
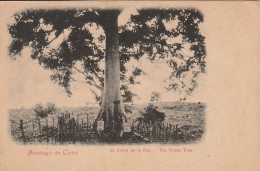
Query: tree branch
[80,71]
[93,83]
[177,56]
[90,82]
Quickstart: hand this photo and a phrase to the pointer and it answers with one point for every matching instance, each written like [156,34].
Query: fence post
[160,131]
[132,128]
[87,123]
[163,130]
[154,130]
[21,127]
[147,130]
[12,128]
[40,126]
[173,130]
[170,133]
[52,130]
[93,121]
[80,129]
[167,132]
[47,131]
[77,119]
[82,123]
[33,130]
[142,130]
[176,131]
[61,127]
[151,130]
[137,128]
[73,133]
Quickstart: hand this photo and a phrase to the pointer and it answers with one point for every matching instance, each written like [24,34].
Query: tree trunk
[112,109]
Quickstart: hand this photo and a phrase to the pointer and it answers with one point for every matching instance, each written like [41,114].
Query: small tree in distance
[155,97]
[43,111]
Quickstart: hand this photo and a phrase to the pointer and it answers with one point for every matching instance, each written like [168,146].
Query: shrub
[43,111]
[151,114]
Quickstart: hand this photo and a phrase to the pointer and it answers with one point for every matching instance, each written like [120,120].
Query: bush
[151,114]
[43,111]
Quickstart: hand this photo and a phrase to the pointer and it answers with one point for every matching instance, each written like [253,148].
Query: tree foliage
[158,34]
[153,33]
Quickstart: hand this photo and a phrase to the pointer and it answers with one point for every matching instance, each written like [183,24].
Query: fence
[53,130]
[34,131]
[156,132]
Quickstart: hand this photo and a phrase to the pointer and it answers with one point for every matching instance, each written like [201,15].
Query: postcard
[130,85]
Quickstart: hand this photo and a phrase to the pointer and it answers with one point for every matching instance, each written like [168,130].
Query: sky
[30,83]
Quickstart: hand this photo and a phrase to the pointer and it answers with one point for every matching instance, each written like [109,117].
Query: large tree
[62,39]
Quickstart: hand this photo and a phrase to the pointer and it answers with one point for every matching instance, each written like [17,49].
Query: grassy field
[190,117]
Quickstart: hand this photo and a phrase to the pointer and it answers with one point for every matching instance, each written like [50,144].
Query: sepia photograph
[121,75]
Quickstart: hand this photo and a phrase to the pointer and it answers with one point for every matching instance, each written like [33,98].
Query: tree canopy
[72,41]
